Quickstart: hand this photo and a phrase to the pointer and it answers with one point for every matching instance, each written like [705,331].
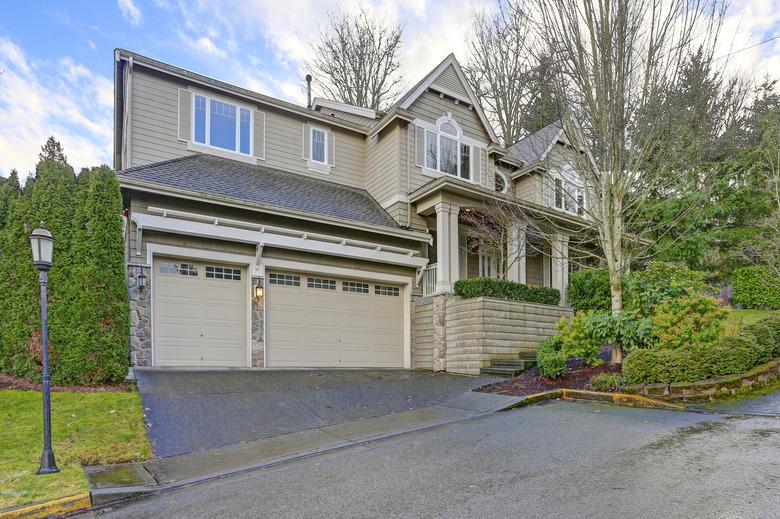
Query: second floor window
[222,125]
[569,197]
[318,145]
[445,153]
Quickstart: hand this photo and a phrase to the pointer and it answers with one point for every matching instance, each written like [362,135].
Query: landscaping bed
[88,427]
[25,384]
[530,382]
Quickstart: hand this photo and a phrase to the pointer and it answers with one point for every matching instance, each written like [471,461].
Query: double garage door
[311,320]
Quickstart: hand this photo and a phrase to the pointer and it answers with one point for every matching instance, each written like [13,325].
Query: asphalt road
[560,459]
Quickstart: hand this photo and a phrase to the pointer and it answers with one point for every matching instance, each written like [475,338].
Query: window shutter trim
[331,148]
[185,115]
[419,146]
[306,142]
[259,134]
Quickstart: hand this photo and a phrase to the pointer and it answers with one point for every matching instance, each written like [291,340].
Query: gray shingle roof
[532,148]
[257,184]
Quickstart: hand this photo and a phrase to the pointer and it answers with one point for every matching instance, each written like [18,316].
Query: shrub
[502,289]
[688,321]
[774,324]
[765,338]
[658,282]
[550,360]
[756,287]
[731,355]
[579,338]
[606,382]
[589,289]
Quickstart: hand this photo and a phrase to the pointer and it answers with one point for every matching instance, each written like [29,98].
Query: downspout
[408,179]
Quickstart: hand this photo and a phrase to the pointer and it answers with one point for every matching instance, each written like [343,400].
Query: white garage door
[324,321]
[200,312]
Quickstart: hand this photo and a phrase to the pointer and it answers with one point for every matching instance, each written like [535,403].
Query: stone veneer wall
[422,333]
[258,327]
[140,316]
[482,329]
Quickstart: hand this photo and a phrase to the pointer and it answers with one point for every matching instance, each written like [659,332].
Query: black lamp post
[42,248]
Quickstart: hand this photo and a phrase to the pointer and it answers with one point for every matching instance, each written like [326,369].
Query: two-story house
[261,233]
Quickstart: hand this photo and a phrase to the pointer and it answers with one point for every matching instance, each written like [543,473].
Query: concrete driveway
[193,410]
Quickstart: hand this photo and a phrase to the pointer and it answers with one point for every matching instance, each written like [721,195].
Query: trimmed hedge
[550,360]
[589,289]
[756,287]
[502,289]
[731,355]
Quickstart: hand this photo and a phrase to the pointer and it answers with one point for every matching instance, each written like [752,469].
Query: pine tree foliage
[53,151]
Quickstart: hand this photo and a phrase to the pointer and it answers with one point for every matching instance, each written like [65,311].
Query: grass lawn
[87,428]
[736,319]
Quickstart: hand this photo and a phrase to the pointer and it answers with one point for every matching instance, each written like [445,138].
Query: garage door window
[354,286]
[284,279]
[325,284]
[182,269]
[223,273]
[383,290]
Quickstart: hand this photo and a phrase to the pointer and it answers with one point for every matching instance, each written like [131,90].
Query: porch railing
[429,280]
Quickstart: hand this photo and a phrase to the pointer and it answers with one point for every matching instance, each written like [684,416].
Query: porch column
[447,263]
[516,254]
[560,265]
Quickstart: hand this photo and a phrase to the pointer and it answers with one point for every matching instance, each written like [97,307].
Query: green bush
[579,338]
[502,289]
[766,340]
[731,355]
[688,321]
[774,324]
[589,289]
[606,382]
[550,360]
[642,290]
[756,287]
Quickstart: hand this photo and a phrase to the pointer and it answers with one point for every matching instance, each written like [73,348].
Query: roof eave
[153,187]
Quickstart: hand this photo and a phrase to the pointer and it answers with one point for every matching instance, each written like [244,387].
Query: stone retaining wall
[465,335]
[712,388]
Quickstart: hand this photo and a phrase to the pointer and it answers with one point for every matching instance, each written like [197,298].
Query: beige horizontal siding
[449,80]
[430,107]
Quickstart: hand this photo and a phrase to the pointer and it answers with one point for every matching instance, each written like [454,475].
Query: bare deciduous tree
[504,72]
[357,59]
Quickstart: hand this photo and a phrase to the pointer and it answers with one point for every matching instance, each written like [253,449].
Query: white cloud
[747,23]
[61,98]
[203,46]
[130,11]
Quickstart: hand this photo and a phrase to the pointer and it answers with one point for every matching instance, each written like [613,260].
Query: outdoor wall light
[259,291]
[141,280]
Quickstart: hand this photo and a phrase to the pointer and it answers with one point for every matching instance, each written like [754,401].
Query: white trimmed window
[325,284]
[567,194]
[319,145]
[182,269]
[501,184]
[384,290]
[284,279]
[221,124]
[354,286]
[214,272]
[446,153]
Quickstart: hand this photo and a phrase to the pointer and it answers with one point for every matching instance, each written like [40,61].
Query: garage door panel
[198,321]
[321,327]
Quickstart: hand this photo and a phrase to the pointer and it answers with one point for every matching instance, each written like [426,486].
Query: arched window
[445,151]
[501,182]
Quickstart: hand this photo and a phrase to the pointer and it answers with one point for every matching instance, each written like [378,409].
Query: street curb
[55,507]
[596,396]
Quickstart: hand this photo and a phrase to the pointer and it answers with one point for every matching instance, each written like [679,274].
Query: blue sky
[56,58]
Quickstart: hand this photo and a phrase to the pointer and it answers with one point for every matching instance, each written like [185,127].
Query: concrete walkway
[194,410]
[110,483]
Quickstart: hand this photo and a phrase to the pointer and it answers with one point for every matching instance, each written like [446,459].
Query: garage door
[323,321]
[200,312]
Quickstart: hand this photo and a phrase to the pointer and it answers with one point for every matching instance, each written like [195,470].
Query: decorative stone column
[258,326]
[439,332]
[516,253]
[140,300]
[560,266]
[447,267]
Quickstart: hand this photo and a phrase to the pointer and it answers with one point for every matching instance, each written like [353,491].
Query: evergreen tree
[96,290]
[53,151]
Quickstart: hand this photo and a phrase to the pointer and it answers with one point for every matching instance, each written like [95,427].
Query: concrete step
[518,364]
[501,372]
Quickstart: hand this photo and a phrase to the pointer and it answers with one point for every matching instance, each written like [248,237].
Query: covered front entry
[200,313]
[318,320]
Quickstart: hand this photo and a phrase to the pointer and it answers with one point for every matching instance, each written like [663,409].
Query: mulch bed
[24,384]
[531,381]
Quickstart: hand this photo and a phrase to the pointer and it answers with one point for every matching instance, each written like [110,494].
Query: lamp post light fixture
[42,249]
